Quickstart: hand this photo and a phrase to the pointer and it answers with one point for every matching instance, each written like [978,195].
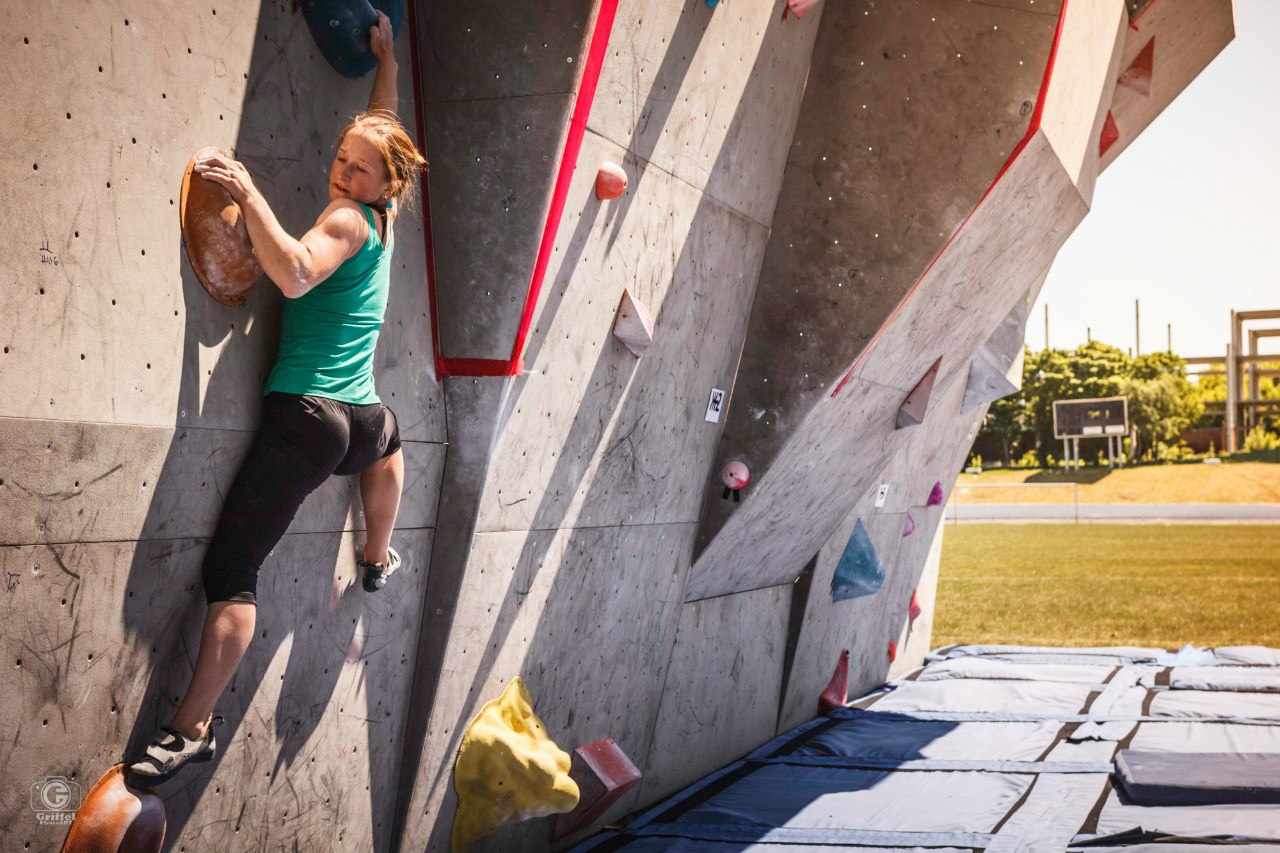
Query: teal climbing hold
[859,571]
[341,30]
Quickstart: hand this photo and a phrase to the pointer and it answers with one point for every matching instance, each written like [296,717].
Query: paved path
[1113,512]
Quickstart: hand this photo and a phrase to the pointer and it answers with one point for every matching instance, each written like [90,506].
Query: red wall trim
[514,365]
[1013,155]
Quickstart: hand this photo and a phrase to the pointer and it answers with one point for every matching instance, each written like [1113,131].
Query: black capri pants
[303,440]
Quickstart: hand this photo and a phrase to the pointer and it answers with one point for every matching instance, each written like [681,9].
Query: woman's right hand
[381,40]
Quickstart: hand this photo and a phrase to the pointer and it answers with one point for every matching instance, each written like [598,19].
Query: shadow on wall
[229,352]
[597,660]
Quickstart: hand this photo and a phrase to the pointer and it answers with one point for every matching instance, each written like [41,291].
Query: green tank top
[328,335]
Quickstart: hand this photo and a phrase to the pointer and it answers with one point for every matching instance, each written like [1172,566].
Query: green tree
[1160,410]
[1093,370]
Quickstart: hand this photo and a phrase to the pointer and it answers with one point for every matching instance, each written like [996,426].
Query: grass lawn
[1109,584]
[1233,482]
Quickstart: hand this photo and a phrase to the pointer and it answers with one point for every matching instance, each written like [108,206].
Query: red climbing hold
[914,610]
[603,773]
[893,651]
[611,181]
[799,7]
[1138,75]
[837,693]
[1110,133]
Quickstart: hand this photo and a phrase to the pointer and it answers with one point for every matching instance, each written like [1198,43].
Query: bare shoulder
[344,220]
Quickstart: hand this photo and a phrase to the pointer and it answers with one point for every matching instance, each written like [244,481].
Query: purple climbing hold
[909,527]
[935,495]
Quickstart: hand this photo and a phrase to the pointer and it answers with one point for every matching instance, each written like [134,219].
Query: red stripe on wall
[600,34]
[568,162]
[1022,144]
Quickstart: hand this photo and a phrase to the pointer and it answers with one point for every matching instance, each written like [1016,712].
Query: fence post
[1077,496]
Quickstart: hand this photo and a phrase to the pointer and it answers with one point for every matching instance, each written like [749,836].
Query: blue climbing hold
[711,4]
[341,30]
[860,571]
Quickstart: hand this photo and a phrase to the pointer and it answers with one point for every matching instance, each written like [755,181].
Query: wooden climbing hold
[611,181]
[913,408]
[603,773]
[837,693]
[633,325]
[117,818]
[215,236]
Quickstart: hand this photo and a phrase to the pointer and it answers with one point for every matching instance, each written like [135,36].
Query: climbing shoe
[374,575]
[170,751]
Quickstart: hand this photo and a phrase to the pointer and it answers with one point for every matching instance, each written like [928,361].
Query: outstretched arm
[383,96]
[295,266]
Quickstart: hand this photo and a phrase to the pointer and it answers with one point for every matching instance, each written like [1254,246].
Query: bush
[1030,459]
[1259,439]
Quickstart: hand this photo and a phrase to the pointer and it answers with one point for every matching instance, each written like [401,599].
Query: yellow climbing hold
[508,770]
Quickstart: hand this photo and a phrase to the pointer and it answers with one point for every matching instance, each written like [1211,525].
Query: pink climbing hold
[837,693]
[611,181]
[735,474]
[893,651]
[914,609]
[935,495]
[799,7]
[909,526]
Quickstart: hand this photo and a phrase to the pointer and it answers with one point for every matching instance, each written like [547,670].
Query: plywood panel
[115,326]
[591,432]
[86,482]
[721,696]
[709,96]
[103,640]
[587,618]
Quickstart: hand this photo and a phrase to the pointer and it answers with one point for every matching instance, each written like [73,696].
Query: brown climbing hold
[913,408]
[837,693]
[117,818]
[633,326]
[215,236]
[611,181]
[603,773]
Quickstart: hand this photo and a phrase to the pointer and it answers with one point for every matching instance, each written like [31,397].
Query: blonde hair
[403,161]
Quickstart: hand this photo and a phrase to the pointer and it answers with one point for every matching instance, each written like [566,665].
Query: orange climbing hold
[611,181]
[215,236]
[117,818]
[893,651]
[837,693]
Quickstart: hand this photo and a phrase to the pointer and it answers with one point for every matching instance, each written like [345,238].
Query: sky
[1187,218]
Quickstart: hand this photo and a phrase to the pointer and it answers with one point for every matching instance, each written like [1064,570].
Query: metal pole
[1233,379]
[1137,331]
[1169,338]
[1066,453]
[1088,334]
[1077,494]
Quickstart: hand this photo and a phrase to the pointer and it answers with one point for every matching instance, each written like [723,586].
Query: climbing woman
[321,415]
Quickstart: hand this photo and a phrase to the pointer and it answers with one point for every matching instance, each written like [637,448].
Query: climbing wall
[817,272]
[128,397]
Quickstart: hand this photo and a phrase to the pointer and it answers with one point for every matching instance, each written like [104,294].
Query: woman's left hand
[229,174]
[381,40]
